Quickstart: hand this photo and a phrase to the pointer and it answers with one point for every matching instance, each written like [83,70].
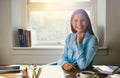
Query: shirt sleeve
[85,56]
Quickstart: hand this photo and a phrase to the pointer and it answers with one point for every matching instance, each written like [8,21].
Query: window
[49,20]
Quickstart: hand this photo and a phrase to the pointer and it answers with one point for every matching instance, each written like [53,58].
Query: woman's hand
[69,66]
[80,37]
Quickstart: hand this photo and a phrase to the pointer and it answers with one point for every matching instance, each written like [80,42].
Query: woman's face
[79,23]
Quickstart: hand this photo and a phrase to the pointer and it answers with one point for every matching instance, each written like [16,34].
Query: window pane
[50,25]
[59,0]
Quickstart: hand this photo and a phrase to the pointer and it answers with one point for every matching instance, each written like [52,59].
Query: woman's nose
[79,23]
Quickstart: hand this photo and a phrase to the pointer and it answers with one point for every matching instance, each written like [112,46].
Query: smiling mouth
[79,27]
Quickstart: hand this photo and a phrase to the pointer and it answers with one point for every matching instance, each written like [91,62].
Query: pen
[39,71]
[25,73]
[34,71]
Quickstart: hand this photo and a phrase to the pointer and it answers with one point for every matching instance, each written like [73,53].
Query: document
[107,69]
[51,71]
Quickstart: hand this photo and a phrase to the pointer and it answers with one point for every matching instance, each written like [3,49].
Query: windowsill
[40,47]
[50,47]
[102,51]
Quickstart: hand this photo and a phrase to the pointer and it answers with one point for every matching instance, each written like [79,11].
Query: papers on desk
[8,69]
[51,71]
[107,69]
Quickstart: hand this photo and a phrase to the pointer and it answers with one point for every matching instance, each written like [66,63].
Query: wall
[5,31]
[112,33]
[9,55]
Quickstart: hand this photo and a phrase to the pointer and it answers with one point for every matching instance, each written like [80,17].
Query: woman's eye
[82,20]
[75,20]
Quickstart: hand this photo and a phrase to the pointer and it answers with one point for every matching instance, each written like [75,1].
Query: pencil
[25,73]
[39,71]
[35,73]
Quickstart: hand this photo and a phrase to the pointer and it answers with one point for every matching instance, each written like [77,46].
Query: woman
[81,45]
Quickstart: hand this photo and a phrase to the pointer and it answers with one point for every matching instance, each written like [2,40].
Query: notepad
[8,69]
[107,69]
[51,71]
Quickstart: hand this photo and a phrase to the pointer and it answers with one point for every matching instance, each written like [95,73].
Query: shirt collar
[87,35]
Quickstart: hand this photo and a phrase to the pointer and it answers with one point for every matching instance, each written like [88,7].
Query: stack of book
[107,69]
[24,38]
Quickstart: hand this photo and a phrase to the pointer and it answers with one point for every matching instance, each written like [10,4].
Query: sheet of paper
[51,71]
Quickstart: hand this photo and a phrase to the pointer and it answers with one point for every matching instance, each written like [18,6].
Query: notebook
[8,69]
[51,71]
[107,69]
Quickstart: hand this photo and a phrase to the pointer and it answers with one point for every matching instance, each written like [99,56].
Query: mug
[86,74]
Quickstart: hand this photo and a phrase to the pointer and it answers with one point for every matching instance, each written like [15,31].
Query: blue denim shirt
[79,54]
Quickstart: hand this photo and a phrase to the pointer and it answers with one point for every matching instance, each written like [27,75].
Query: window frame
[91,6]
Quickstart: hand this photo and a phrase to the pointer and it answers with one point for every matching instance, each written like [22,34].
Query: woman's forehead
[79,15]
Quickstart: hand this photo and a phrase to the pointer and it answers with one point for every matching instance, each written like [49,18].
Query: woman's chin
[80,31]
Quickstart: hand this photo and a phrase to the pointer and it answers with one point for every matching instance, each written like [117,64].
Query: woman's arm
[64,58]
[85,56]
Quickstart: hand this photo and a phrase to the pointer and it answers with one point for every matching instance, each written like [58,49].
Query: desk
[49,68]
[73,73]
[10,75]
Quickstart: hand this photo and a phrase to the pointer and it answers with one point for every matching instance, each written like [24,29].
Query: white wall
[5,31]
[9,55]
[112,33]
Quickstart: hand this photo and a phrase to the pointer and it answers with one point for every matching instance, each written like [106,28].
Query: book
[9,69]
[29,38]
[107,69]
[20,34]
[24,38]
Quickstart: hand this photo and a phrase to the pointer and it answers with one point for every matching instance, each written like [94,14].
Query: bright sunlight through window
[49,20]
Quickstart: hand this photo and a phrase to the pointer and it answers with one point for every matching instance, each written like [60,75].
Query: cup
[85,74]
